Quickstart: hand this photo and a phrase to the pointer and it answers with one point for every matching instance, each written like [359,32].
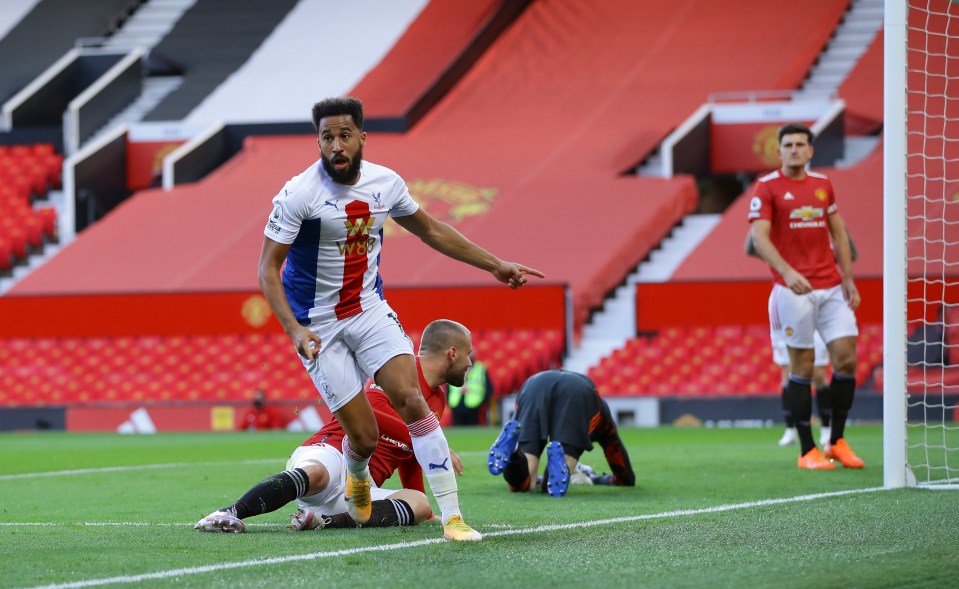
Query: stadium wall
[709,303]
[215,313]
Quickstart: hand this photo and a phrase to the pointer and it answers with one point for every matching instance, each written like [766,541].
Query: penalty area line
[198,570]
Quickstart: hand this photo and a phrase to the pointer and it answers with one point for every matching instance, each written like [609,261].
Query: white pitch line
[404,545]
[110,469]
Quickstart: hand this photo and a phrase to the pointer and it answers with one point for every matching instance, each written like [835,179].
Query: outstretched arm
[448,241]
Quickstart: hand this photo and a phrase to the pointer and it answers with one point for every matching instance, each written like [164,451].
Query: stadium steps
[37,258]
[155,89]
[211,40]
[862,22]
[852,38]
[615,323]
[148,25]
[145,29]
[31,209]
[857,149]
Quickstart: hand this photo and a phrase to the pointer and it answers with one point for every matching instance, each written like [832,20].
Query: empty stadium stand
[27,172]
[48,31]
[210,368]
[292,59]
[862,91]
[529,179]
[726,360]
[433,54]
[523,122]
[209,42]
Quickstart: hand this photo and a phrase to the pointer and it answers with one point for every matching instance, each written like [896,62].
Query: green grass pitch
[713,508]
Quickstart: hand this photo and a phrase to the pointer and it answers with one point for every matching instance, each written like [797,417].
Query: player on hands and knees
[564,408]
[319,270]
[315,475]
[794,218]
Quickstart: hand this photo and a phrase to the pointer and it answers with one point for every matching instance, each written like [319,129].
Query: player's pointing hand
[514,274]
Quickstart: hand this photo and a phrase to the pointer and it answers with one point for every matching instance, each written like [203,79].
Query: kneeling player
[565,408]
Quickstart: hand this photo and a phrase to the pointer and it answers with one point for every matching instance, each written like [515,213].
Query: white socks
[358,466]
[433,453]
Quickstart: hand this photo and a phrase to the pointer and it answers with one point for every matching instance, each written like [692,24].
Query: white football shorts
[352,350]
[799,317]
[781,354]
[332,499]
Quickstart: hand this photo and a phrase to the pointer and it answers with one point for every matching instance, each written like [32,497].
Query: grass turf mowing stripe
[405,545]
[123,524]
[111,469]
[105,469]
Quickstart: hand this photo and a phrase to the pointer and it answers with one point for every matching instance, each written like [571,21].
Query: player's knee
[420,506]
[844,361]
[845,364]
[318,475]
[365,443]
[409,403]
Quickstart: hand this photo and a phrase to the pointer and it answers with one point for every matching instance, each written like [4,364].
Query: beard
[455,379]
[347,176]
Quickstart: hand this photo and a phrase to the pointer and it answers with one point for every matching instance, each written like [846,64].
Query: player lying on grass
[315,475]
[565,408]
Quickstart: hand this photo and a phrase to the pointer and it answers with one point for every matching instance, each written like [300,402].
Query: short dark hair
[790,128]
[338,105]
[440,335]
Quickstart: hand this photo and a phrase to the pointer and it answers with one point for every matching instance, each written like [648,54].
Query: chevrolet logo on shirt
[807,218]
[806,213]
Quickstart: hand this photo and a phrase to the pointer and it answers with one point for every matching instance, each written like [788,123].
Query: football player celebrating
[319,270]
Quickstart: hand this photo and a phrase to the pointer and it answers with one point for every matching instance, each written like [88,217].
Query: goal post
[894,245]
[921,244]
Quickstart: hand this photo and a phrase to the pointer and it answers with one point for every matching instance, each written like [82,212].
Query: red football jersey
[394,450]
[798,212]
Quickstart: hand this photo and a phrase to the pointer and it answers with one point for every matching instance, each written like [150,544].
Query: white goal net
[930,164]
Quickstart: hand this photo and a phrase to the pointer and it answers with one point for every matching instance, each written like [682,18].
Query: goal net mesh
[932,240]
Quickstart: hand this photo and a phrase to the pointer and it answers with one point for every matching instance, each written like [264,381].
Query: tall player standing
[326,225]
[794,215]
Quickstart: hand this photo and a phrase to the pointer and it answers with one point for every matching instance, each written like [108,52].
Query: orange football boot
[814,460]
[843,453]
